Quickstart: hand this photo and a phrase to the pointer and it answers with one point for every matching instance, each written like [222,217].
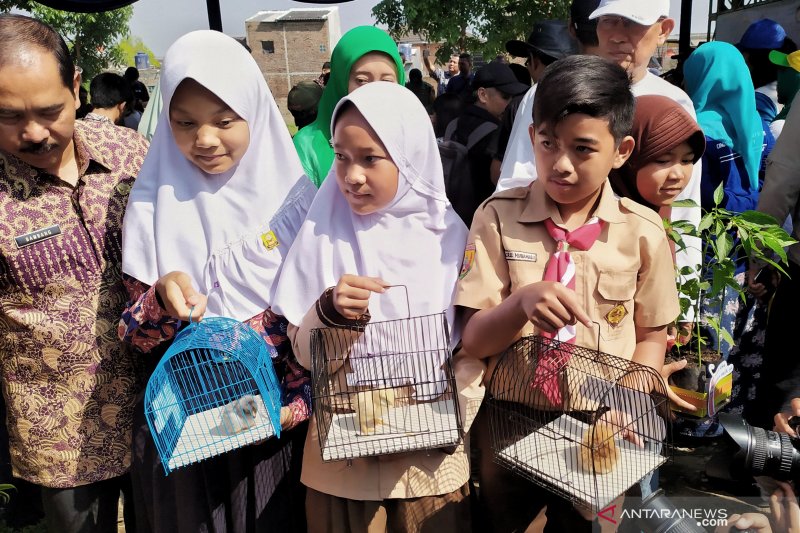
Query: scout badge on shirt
[617,313]
[38,235]
[469,259]
[269,240]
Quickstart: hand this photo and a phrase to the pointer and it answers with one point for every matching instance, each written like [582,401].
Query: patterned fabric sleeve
[295,380]
[143,323]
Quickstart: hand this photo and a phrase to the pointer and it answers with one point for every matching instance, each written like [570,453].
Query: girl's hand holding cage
[215,390]
[351,294]
[179,298]
[602,433]
[384,387]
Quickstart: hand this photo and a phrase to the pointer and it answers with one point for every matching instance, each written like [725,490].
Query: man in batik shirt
[68,383]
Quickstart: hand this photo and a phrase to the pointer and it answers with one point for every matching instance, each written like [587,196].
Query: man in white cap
[629,32]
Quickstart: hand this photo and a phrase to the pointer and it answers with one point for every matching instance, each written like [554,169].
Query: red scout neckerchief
[560,267]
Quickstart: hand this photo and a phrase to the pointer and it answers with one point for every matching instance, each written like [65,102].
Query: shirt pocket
[523,273]
[615,292]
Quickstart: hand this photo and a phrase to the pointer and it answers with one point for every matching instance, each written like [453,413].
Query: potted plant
[726,238]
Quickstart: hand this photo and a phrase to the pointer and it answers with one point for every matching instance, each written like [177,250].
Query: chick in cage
[239,415]
[370,407]
[599,453]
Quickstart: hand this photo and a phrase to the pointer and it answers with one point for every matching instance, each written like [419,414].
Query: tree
[92,37]
[130,46]
[8,5]
[467,25]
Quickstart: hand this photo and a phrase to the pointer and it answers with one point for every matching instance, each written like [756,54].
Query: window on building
[323,48]
[268,47]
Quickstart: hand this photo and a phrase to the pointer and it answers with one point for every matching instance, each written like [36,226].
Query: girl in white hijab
[214,210]
[381,218]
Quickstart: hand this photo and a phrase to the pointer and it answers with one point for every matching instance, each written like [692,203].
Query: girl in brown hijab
[668,144]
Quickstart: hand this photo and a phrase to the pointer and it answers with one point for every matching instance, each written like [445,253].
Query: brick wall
[303,46]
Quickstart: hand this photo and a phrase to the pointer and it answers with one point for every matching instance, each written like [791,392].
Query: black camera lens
[760,452]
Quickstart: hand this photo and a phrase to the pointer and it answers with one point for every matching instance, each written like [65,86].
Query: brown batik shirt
[69,383]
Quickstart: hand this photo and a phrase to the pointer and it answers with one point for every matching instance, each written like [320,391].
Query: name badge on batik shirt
[38,235]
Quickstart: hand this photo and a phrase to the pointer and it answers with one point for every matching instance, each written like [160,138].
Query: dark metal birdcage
[383,388]
[214,390]
[581,423]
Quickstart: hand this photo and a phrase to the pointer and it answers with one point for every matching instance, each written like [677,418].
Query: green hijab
[313,142]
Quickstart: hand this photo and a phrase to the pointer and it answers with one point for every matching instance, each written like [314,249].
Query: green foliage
[130,46]
[8,5]
[453,23]
[725,237]
[5,497]
[92,37]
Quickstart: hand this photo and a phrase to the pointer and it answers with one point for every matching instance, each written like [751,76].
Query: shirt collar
[85,152]
[541,207]
[88,148]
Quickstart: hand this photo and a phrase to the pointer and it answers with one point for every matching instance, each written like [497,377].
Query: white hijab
[211,226]
[417,240]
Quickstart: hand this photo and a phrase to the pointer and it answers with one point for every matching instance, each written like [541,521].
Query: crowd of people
[554,226]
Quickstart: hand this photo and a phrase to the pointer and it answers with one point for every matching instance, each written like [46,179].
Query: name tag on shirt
[38,235]
[520,256]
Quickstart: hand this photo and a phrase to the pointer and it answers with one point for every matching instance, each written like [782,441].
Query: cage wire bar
[215,390]
[385,387]
[608,429]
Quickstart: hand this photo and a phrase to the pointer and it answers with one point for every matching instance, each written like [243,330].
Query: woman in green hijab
[363,55]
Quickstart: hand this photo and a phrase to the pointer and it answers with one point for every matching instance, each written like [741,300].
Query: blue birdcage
[215,390]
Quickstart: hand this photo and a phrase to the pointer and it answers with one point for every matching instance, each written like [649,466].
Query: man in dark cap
[492,89]
[549,41]
[302,102]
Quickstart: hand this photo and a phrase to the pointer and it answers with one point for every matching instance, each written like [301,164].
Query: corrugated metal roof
[303,14]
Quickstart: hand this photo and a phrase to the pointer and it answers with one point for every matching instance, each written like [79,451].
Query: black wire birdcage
[385,387]
[581,423]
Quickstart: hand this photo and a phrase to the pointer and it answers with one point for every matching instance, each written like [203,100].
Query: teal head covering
[718,81]
[313,142]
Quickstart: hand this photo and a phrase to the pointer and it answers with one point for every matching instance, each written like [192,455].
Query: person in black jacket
[493,87]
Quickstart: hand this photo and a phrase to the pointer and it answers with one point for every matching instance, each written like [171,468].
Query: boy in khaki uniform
[621,276]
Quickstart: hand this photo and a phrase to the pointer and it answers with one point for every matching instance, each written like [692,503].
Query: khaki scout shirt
[629,264]
[780,196]
[401,475]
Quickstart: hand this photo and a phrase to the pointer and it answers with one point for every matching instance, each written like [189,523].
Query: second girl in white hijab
[381,218]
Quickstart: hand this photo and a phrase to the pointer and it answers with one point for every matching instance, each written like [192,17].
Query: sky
[160,22]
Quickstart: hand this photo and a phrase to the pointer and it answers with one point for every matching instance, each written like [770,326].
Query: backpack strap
[479,133]
[450,130]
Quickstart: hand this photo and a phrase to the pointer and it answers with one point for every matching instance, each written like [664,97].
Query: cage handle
[192,324]
[597,324]
[408,302]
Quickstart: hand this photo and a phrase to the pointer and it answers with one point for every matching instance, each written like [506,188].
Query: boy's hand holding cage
[384,387]
[607,430]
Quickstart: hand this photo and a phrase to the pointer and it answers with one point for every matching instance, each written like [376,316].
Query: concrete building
[291,45]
